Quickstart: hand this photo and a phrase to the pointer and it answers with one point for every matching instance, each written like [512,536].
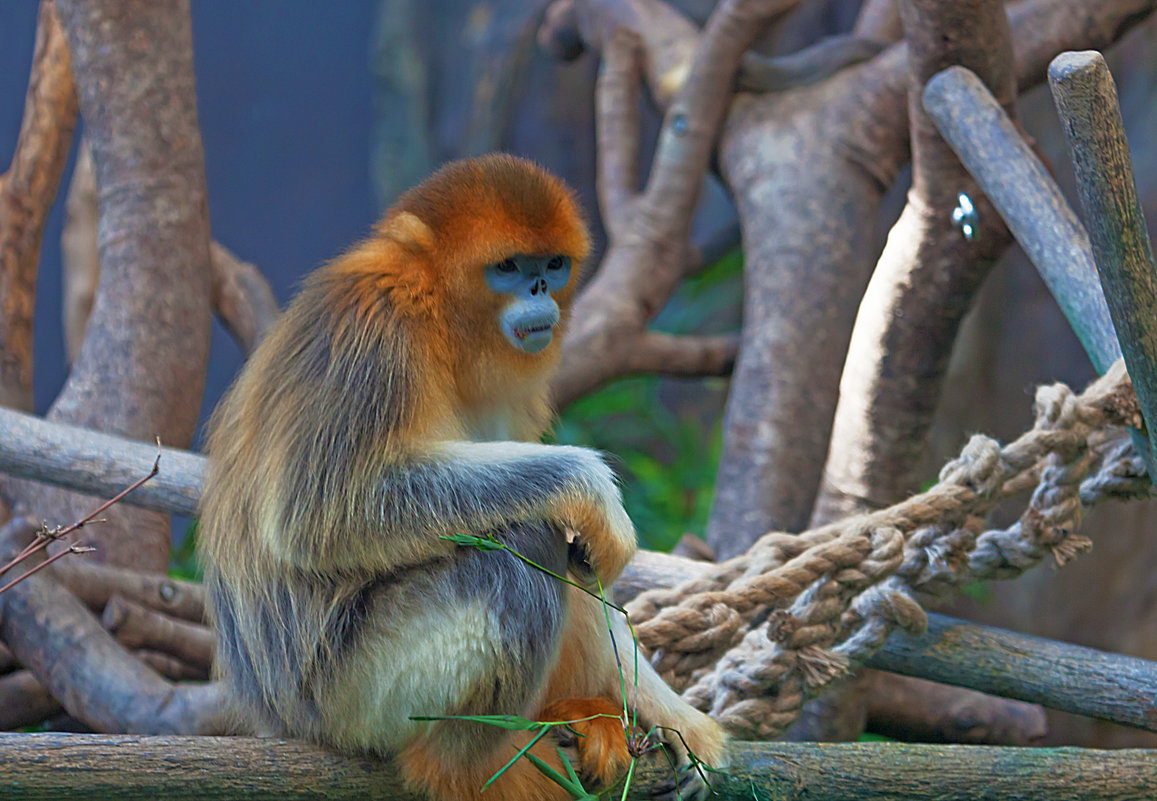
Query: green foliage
[183,563]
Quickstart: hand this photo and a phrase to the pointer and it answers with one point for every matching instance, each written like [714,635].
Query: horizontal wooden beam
[69,766]
[99,464]
[1058,675]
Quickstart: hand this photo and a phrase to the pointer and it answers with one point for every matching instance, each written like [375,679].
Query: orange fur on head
[428,258]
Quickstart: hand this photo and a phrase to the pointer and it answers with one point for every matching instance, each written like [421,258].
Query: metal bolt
[965,216]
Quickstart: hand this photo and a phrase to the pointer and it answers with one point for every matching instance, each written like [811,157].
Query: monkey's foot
[594,739]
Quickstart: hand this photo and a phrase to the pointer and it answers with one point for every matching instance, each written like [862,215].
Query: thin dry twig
[45,536]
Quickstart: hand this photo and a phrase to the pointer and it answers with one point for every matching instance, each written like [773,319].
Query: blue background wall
[285,98]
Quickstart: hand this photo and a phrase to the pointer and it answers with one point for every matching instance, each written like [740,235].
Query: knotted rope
[759,634]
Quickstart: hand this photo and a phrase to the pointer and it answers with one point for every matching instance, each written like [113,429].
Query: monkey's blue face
[528,320]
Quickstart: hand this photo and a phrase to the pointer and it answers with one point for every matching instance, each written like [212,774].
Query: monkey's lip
[523,333]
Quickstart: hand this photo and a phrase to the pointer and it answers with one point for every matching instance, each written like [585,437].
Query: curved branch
[683,356]
[242,298]
[617,116]
[925,279]
[879,20]
[27,191]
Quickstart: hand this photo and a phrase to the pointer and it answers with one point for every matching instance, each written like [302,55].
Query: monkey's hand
[601,536]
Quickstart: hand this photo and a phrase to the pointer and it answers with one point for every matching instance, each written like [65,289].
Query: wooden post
[1086,100]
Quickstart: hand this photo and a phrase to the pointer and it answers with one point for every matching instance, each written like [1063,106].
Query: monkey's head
[495,243]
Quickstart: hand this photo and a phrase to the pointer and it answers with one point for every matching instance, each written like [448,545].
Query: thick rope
[758,635]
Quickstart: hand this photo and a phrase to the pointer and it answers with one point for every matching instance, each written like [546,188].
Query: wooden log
[95,679]
[922,711]
[99,464]
[94,584]
[1057,675]
[1086,99]
[136,626]
[62,766]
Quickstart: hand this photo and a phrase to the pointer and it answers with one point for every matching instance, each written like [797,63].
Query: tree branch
[242,298]
[918,710]
[925,279]
[27,191]
[617,117]
[648,248]
[141,368]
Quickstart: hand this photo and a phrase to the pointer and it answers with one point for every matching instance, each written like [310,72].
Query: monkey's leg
[473,633]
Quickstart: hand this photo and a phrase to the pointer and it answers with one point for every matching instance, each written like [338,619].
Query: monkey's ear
[409,232]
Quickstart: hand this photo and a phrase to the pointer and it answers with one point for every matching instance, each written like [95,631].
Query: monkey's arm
[474,487]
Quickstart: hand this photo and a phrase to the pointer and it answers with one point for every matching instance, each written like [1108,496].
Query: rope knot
[782,626]
[978,467]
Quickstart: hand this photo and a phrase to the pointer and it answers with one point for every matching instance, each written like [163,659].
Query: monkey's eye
[556,263]
[507,266]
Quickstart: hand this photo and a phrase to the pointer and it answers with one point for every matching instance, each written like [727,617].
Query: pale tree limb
[241,296]
[879,20]
[925,279]
[27,191]
[141,369]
